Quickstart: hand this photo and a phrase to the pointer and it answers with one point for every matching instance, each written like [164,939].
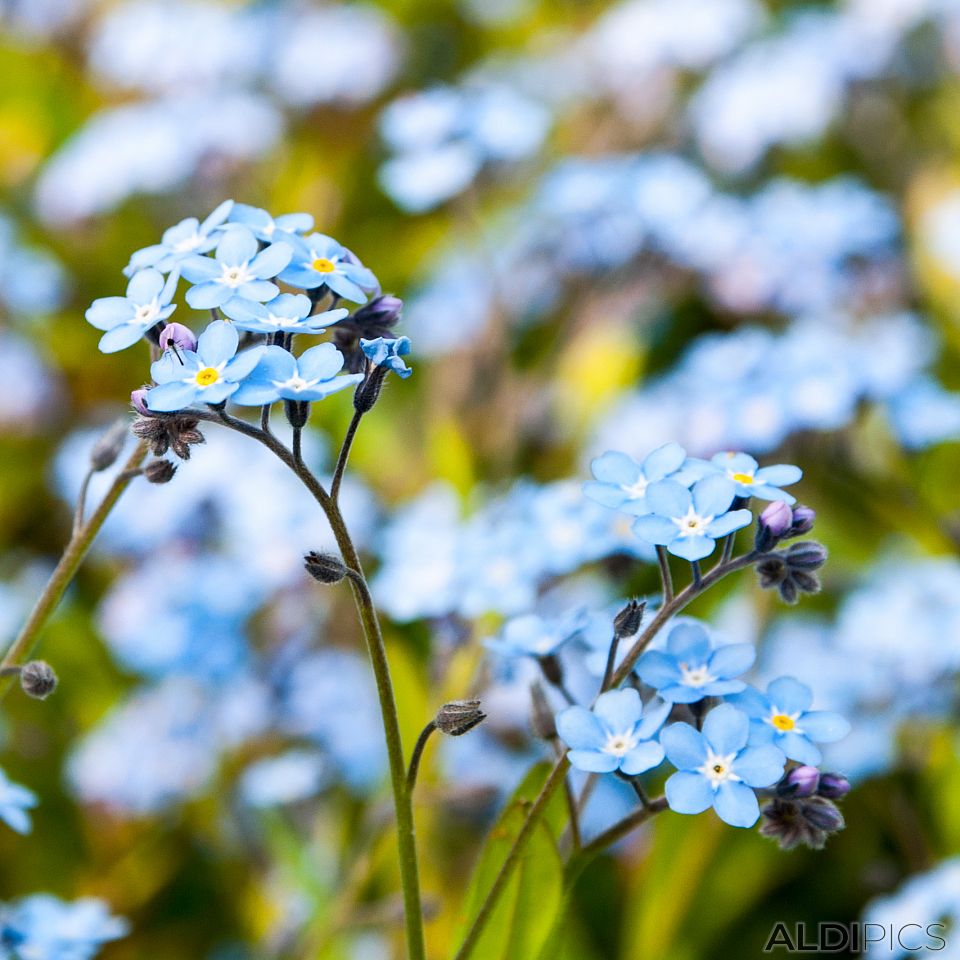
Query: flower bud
[109,446]
[178,336]
[799,782]
[833,786]
[37,679]
[803,520]
[806,555]
[823,814]
[324,567]
[627,622]
[801,820]
[298,412]
[368,390]
[792,571]
[138,400]
[552,669]
[380,312]
[772,525]
[159,471]
[459,717]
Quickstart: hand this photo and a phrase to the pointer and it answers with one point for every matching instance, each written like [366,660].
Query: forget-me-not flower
[693,668]
[127,319]
[319,260]
[689,522]
[188,237]
[45,928]
[783,717]
[281,376]
[752,480]
[622,483]
[209,375]
[288,313]
[716,768]
[530,635]
[266,227]
[388,353]
[238,270]
[15,801]
[615,734]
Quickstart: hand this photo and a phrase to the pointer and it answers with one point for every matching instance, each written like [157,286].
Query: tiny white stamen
[718,769]
[620,744]
[692,524]
[698,676]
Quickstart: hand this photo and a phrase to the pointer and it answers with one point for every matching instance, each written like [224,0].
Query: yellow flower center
[782,722]
[718,769]
[207,376]
[323,265]
[743,477]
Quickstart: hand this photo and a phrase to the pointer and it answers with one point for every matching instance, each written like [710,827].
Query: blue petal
[736,804]
[345,288]
[684,746]
[654,714]
[172,367]
[713,495]
[752,702]
[779,475]
[268,263]
[759,766]
[295,222]
[321,362]
[206,296]
[722,688]
[663,461]
[657,669]
[798,747]
[199,269]
[261,290]
[218,216]
[244,311]
[217,343]
[657,530]
[735,462]
[789,695]
[275,363]
[171,396]
[108,312]
[689,642]
[688,792]
[682,693]
[253,393]
[824,726]
[692,548]
[619,710]
[580,729]
[298,275]
[242,364]
[644,756]
[592,761]
[732,660]
[726,729]
[120,337]
[603,493]
[237,246]
[328,387]
[145,286]
[217,392]
[728,522]
[766,492]
[615,467]
[668,498]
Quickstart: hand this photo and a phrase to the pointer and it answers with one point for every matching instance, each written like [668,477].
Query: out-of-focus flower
[318,261]
[716,768]
[375,319]
[693,667]
[533,636]
[127,319]
[289,778]
[45,928]
[388,353]
[615,734]
[280,375]
[288,313]
[185,239]
[15,801]
[622,483]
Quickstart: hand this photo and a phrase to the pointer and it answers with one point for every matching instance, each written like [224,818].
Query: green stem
[26,640]
[344,453]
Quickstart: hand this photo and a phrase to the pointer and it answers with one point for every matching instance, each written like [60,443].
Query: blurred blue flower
[693,667]
[716,768]
[614,734]
[15,801]
[318,260]
[622,483]
[239,269]
[127,319]
[42,927]
[265,227]
[689,522]
[272,781]
[288,313]
[752,480]
[210,375]
[279,375]
[188,237]
[783,717]
[532,636]
[389,353]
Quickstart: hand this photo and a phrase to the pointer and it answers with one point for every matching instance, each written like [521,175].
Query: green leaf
[525,913]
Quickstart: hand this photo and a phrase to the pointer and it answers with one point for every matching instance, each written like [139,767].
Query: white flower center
[719,768]
[188,243]
[297,383]
[147,313]
[282,321]
[235,276]
[636,489]
[620,744]
[692,524]
[698,676]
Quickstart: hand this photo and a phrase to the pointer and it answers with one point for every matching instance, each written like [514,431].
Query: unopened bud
[109,446]
[368,390]
[823,814]
[298,412]
[772,525]
[833,786]
[178,336]
[799,782]
[324,567]
[628,621]
[37,679]
[159,471]
[459,717]
[541,716]
[806,555]
[138,400]
[803,520]
[552,669]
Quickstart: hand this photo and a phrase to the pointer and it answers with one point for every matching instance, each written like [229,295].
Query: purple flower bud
[803,520]
[138,400]
[179,336]
[772,525]
[833,786]
[799,782]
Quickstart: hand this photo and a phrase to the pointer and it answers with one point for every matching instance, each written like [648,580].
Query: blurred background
[730,223]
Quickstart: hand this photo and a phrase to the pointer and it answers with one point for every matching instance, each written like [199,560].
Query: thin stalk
[82,501]
[611,663]
[418,749]
[697,574]
[573,813]
[623,827]
[298,446]
[666,578]
[265,418]
[66,569]
[344,454]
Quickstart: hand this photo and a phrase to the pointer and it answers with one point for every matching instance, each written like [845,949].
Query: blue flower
[693,668]
[15,801]
[281,376]
[188,237]
[45,928]
[209,375]
[288,313]
[127,319]
[717,769]
[622,483]
[615,734]
[384,352]
[752,480]
[265,227]
[533,636]
[238,270]
[688,522]
[319,260]
[783,717]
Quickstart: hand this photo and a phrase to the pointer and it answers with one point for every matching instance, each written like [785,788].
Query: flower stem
[66,569]
[666,578]
[418,749]
[344,453]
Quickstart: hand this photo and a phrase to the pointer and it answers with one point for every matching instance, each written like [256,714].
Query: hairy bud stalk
[109,446]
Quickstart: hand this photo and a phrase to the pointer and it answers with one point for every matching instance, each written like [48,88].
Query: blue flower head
[209,375]
[689,522]
[693,668]
[187,238]
[238,270]
[127,319]
[717,769]
[265,227]
[319,260]
[532,636]
[783,717]
[622,483]
[752,480]
[44,927]
[280,375]
[15,801]
[388,353]
[288,313]
[615,734]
